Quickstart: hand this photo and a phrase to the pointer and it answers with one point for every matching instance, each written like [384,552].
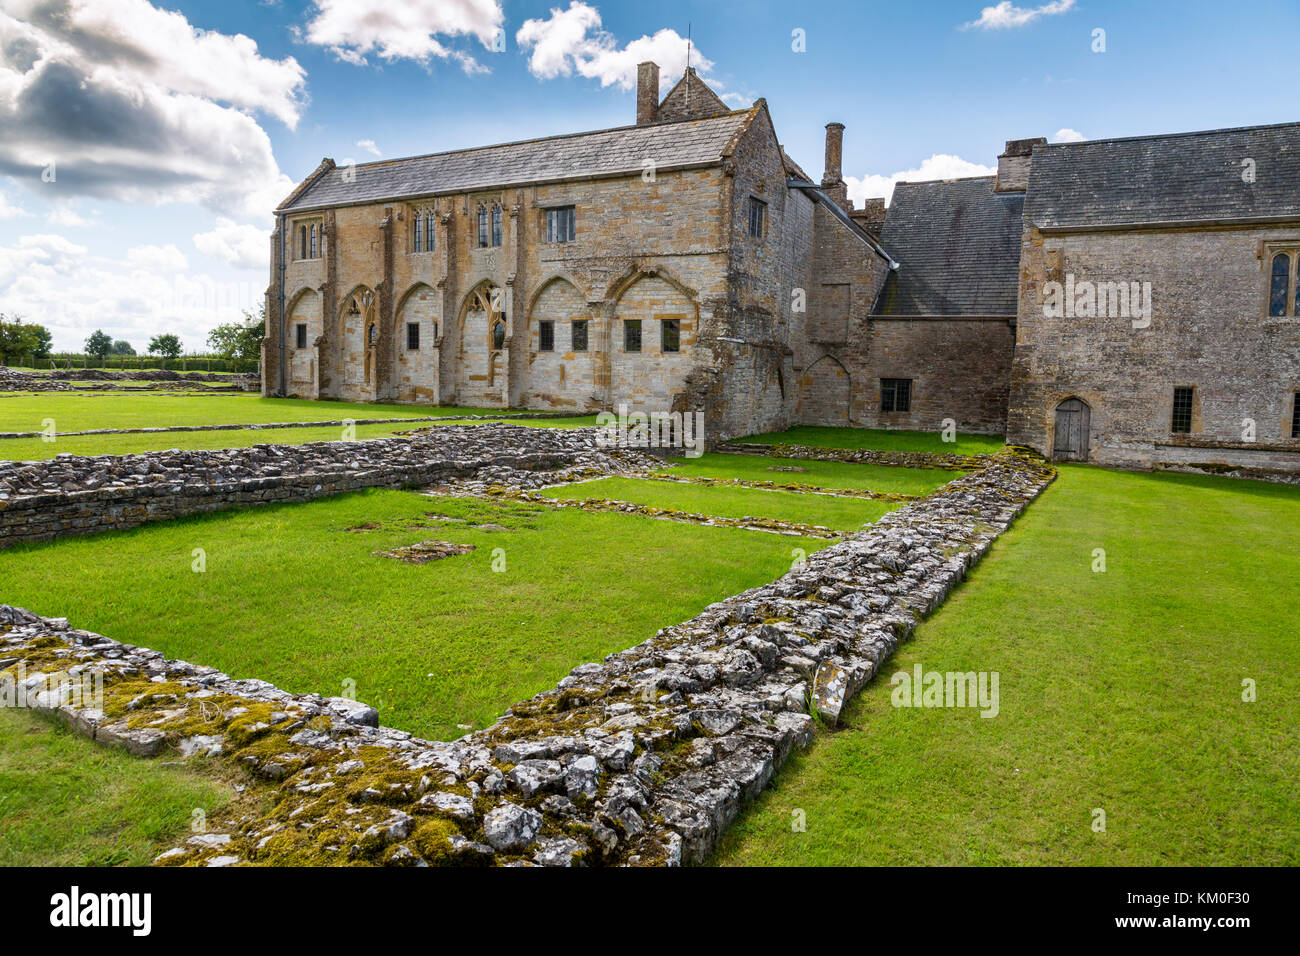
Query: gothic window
[418,238]
[412,336]
[301,333]
[546,336]
[482,227]
[631,335]
[428,232]
[496,224]
[498,335]
[1182,418]
[895,394]
[757,217]
[1277,293]
[308,245]
[670,335]
[560,224]
[579,332]
[370,334]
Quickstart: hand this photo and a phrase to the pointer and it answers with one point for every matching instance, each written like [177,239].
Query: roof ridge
[1153,136]
[954,179]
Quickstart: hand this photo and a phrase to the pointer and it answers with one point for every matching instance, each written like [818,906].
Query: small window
[757,217]
[579,339]
[482,227]
[895,394]
[301,332]
[1182,420]
[372,334]
[417,242]
[496,224]
[546,336]
[302,242]
[434,326]
[309,240]
[671,335]
[412,336]
[631,335]
[1278,287]
[498,335]
[1295,417]
[560,224]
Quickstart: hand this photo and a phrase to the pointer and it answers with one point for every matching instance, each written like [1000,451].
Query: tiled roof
[1184,177]
[575,156]
[957,243]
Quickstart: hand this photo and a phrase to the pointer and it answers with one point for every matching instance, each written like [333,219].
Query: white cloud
[244,247]
[938,166]
[1068,135]
[403,29]
[67,217]
[117,98]
[369,146]
[9,211]
[572,41]
[1007,16]
[147,290]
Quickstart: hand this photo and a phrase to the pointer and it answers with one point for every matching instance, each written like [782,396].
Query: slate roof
[573,156]
[957,243]
[1183,177]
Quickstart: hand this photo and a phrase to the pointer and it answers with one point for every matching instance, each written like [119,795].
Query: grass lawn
[880,439]
[290,595]
[74,412]
[843,514]
[1119,691]
[827,474]
[66,802]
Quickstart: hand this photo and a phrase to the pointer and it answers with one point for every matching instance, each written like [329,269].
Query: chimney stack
[647,93]
[833,179]
[1013,164]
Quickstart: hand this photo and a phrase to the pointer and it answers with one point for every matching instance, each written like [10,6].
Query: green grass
[293,597]
[66,802]
[826,474]
[843,514]
[1119,690]
[74,412]
[879,439]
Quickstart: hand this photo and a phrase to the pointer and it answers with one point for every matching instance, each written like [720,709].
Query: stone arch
[358,312]
[415,371]
[650,379]
[564,376]
[482,377]
[825,390]
[305,308]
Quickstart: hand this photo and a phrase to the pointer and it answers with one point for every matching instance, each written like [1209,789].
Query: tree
[166,345]
[240,341]
[123,347]
[44,342]
[99,343]
[16,338]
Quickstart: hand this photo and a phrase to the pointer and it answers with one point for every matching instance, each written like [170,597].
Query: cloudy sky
[143,145]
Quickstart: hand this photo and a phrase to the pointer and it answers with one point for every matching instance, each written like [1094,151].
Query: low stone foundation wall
[860,456]
[642,759]
[82,495]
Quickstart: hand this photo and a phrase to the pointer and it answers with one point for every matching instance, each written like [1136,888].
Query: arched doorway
[825,391]
[1071,436]
[484,348]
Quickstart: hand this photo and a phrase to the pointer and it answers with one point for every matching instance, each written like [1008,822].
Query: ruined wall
[1209,330]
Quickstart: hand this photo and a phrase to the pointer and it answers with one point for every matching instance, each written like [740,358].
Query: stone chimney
[647,93]
[833,178]
[1013,164]
[871,216]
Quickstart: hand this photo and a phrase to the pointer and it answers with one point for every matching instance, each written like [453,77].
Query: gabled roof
[819,195]
[1178,178]
[957,243]
[610,152]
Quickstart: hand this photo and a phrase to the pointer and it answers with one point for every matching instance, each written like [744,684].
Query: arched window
[418,245]
[482,226]
[498,335]
[1278,287]
[496,224]
[428,232]
[370,335]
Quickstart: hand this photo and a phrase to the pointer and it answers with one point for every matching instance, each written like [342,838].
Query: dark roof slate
[575,156]
[1185,177]
[957,243]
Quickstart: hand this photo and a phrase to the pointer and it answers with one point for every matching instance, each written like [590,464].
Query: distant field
[880,440]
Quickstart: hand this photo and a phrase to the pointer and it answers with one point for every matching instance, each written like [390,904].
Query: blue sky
[174,127]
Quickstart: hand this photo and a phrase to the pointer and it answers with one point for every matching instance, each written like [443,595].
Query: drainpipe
[281,391]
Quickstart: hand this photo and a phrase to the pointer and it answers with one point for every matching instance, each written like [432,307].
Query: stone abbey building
[1131,301]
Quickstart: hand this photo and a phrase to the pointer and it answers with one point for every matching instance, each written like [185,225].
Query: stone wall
[1208,330]
[642,759]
